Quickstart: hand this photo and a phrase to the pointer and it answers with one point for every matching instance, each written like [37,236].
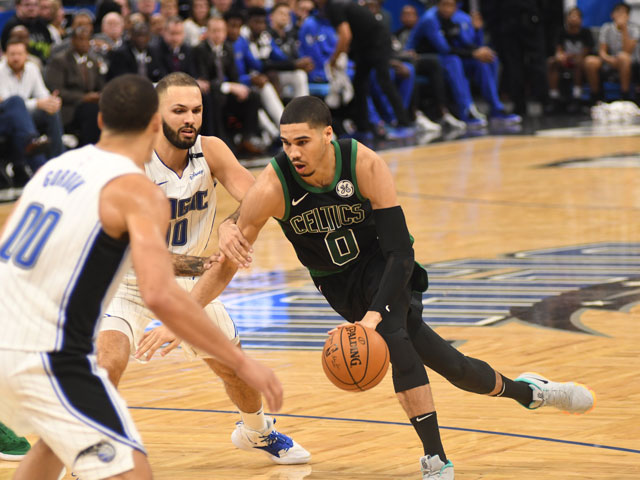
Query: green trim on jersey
[354,157]
[285,189]
[336,176]
[324,273]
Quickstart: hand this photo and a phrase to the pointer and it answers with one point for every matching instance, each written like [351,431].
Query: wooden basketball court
[501,231]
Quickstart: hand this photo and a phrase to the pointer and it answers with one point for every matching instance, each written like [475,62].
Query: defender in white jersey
[63,252]
[187,168]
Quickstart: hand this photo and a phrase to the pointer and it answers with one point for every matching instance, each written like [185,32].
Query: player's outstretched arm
[236,179]
[376,184]
[223,164]
[263,200]
[145,217]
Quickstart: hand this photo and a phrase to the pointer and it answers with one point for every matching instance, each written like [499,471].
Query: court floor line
[383,422]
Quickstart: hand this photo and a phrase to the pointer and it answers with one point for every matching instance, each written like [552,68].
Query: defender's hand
[154,339]
[233,245]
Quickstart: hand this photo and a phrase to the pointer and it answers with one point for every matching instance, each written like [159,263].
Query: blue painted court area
[467,292]
[271,314]
[405,424]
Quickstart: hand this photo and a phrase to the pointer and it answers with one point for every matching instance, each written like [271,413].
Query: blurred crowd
[452,64]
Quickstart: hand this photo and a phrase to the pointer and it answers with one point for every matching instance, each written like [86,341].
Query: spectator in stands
[107,6]
[408,19]
[226,98]
[169,8]
[21,34]
[574,44]
[291,72]
[111,31]
[281,29]
[301,11]
[459,41]
[195,26]
[617,51]
[48,12]
[75,73]
[255,4]
[147,8]
[369,45]
[221,7]
[82,18]
[518,32]
[134,56]
[156,27]
[173,52]
[403,76]
[133,19]
[125,7]
[318,40]
[250,72]
[430,86]
[39,37]
[24,142]
[22,78]
[380,13]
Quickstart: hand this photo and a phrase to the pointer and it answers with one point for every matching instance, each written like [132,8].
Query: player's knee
[407,369]
[472,375]
[112,356]
[115,367]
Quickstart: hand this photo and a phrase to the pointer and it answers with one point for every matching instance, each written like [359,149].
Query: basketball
[355,358]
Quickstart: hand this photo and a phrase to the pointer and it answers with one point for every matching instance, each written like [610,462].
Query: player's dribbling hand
[153,340]
[263,379]
[338,327]
[233,245]
[370,320]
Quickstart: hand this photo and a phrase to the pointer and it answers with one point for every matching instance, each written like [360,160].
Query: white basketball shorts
[128,314]
[70,403]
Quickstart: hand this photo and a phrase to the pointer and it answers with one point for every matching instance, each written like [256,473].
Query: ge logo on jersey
[345,188]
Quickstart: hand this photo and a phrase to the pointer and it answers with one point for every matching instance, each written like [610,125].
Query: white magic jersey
[58,269]
[193,210]
[193,201]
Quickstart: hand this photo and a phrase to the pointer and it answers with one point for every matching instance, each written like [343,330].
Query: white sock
[554,93]
[577,91]
[254,421]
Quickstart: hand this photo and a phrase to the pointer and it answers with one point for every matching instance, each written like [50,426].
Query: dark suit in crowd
[224,111]
[77,74]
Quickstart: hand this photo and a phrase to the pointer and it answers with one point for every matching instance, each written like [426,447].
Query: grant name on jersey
[67,179]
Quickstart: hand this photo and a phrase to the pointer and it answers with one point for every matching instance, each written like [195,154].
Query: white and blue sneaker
[569,397]
[504,118]
[280,448]
[435,469]
[474,118]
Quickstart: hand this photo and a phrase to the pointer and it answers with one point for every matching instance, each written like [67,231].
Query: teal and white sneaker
[12,447]
[279,447]
[569,397]
[435,469]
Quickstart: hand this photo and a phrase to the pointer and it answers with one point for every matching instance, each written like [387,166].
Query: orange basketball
[355,358]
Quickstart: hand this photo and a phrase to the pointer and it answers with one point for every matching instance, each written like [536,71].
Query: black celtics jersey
[327,226]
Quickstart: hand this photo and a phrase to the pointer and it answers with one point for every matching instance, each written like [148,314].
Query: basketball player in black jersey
[337,205]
